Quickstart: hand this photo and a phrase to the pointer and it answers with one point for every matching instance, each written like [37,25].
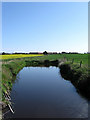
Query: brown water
[41,92]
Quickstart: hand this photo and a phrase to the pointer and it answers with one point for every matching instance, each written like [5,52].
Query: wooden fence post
[80,63]
[64,58]
[72,61]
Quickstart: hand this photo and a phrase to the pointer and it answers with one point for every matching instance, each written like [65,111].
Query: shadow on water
[68,76]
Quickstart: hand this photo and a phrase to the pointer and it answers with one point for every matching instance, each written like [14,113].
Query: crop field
[13,56]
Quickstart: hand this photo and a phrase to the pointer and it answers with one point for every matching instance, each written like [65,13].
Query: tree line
[45,53]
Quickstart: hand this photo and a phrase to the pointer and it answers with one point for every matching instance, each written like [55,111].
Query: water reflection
[41,92]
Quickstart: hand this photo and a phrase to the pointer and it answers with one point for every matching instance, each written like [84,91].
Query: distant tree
[45,53]
[54,52]
[15,53]
[3,53]
[33,52]
[73,53]
[63,52]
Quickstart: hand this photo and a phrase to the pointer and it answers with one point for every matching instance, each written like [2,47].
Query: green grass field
[68,57]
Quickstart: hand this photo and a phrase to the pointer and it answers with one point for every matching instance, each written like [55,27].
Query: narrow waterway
[41,92]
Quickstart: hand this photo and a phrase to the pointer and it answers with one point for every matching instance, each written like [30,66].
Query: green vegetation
[78,76]
[67,57]
[10,68]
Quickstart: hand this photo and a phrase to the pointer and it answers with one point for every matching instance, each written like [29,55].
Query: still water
[41,92]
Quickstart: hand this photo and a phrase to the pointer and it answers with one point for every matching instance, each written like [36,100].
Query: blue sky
[50,26]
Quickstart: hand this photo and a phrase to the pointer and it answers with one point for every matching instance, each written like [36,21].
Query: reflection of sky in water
[42,92]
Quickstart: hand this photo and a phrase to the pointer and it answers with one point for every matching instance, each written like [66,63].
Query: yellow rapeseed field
[12,56]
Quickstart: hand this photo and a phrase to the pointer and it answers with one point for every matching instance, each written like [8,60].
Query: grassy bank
[79,77]
[10,68]
[9,71]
